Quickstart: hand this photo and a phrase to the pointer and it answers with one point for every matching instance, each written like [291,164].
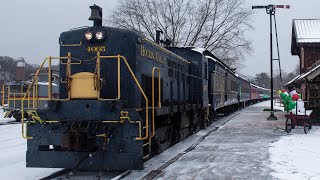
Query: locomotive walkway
[236,150]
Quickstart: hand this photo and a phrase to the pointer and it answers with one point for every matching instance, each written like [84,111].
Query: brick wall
[311,57]
[20,74]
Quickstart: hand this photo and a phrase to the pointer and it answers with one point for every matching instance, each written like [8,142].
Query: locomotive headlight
[99,35]
[88,35]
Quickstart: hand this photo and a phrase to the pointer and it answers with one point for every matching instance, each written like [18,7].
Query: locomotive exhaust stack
[158,34]
[96,15]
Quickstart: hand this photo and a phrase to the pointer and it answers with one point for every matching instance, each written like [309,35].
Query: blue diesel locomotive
[124,98]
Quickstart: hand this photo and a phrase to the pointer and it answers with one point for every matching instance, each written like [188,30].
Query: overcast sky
[31,29]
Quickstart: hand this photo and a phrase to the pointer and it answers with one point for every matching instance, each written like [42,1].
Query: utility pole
[271,10]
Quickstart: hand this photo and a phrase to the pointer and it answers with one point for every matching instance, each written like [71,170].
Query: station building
[305,43]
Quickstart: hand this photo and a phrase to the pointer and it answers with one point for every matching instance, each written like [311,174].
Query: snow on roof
[241,76]
[311,74]
[218,61]
[199,50]
[46,83]
[209,57]
[307,30]
[259,87]
[292,80]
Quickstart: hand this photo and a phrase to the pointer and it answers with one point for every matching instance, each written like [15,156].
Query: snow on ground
[4,120]
[296,156]
[247,147]
[158,161]
[278,106]
[13,155]
[237,150]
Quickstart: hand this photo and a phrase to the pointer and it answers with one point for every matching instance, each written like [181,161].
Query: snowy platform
[243,145]
[13,153]
[246,147]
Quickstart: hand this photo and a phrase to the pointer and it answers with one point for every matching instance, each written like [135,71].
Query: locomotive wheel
[306,127]
[155,147]
[288,125]
[204,120]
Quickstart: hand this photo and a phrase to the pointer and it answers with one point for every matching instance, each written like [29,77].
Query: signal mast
[271,9]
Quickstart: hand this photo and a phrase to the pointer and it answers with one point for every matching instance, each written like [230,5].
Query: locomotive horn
[96,15]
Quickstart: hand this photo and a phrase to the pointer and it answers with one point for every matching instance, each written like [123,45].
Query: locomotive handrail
[11,96]
[68,73]
[2,103]
[35,99]
[8,96]
[61,62]
[159,97]
[140,88]
[49,78]
[36,91]
[70,45]
[24,128]
[145,97]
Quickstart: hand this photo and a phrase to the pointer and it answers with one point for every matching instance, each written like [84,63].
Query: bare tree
[218,25]
[263,79]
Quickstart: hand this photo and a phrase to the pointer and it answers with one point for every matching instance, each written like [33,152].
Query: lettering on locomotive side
[96,48]
[153,55]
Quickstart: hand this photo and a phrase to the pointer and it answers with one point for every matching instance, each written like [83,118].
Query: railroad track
[68,174]
[88,175]
[154,173]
